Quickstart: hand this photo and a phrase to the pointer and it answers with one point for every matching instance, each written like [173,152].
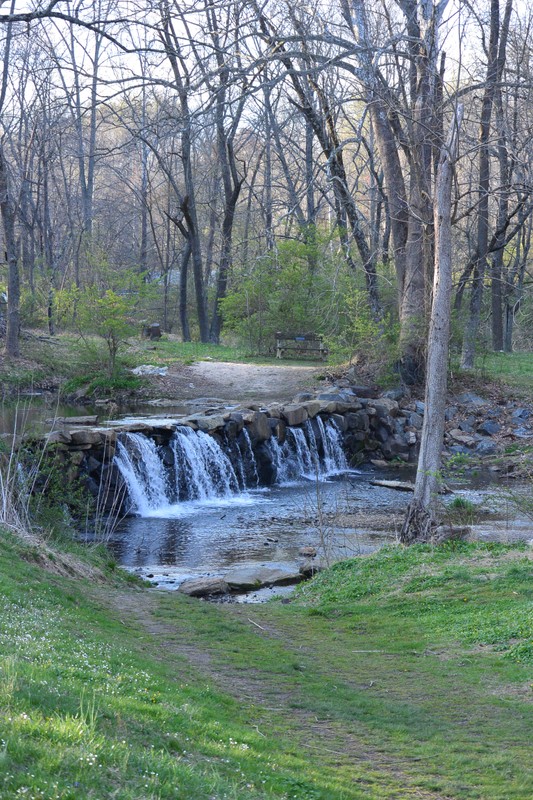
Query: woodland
[361,171]
[356,170]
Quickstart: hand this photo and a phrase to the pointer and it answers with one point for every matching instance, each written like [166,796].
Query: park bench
[300,345]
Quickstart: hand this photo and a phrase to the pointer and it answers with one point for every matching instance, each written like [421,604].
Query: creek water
[198,509]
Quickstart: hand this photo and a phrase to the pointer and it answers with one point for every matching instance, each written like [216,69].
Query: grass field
[407,674]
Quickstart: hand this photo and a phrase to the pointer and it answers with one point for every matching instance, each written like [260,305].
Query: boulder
[58,437]
[386,407]
[86,437]
[210,424]
[313,407]
[204,587]
[471,399]
[307,551]
[310,568]
[487,448]
[245,579]
[357,421]
[258,426]
[463,438]
[295,414]
[521,413]
[415,420]
[489,428]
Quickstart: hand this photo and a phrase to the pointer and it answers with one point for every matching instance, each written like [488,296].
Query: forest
[229,169]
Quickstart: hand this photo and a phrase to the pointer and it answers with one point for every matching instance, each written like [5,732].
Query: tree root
[418,524]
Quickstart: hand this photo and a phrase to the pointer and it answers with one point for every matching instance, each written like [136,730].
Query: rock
[244,579]
[204,587]
[335,397]
[463,438]
[459,450]
[357,421]
[149,369]
[58,437]
[385,407]
[466,427]
[522,432]
[521,413]
[210,424]
[471,399]
[86,437]
[445,533]
[90,420]
[329,406]
[303,397]
[294,414]
[400,486]
[395,394]
[310,568]
[489,428]
[420,408]
[410,437]
[307,552]
[340,422]
[313,408]
[487,448]
[450,413]
[258,427]
[364,391]
[415,420]
[399,425]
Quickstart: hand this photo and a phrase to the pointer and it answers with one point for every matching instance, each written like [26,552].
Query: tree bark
[421,513]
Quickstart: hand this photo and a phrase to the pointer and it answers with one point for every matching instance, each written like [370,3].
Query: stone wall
[377,428]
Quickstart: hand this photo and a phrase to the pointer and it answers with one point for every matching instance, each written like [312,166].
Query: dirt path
[234,382]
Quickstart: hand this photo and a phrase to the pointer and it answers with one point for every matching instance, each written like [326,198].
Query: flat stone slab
[204,587]
[244,579]
[400,486]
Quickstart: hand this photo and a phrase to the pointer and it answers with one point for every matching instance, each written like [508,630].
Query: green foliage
[109,310]
[461,511]
[295,289]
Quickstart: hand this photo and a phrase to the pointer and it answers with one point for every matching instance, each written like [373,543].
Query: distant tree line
[269,161]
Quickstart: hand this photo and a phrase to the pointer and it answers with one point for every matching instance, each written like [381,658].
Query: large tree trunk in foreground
[420,517]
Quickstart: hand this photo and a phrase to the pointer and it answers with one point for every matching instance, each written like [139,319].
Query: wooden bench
[300,345]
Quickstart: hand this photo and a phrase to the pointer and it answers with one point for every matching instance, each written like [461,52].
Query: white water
[194,470]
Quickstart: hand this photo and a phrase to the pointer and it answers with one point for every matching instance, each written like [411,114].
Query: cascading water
[334,458]
[143,471]
[304,454]
[193,466]
[202,470]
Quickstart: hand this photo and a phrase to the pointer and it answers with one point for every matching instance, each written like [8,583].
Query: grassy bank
[405,674]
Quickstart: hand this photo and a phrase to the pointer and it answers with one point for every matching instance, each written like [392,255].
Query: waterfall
[334,458]
[202,469]
[143,471]
[249,464]
[194,466]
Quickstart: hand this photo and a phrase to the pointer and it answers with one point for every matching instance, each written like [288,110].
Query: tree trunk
[7,210]
[495,66]
[420,516]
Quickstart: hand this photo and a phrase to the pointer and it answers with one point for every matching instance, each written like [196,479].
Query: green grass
[405,674]
[513,369]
